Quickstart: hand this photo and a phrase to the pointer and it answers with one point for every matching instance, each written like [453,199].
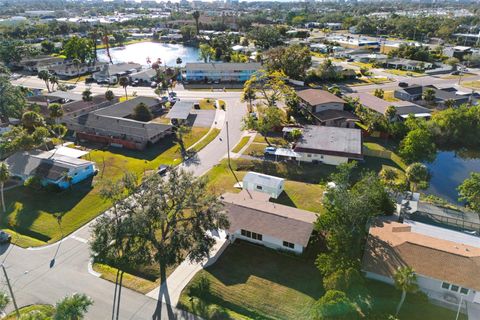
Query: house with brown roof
[255,219]
[316,100]
[446,262]
[326,108]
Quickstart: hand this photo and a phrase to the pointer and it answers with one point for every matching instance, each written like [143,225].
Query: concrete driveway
[201,118]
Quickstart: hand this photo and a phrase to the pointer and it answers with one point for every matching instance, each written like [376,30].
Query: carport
[179,111]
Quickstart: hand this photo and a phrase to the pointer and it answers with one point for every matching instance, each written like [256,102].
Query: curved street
[45,275]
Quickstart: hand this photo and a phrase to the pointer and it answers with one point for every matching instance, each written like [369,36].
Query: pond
[448,171]
[142,51]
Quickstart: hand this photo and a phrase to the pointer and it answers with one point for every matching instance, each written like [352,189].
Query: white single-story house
[253,218]
[446,262]
[329,145]
[220,71]
[254,181]
[51,167]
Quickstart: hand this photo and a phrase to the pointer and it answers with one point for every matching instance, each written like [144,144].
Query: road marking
[79,239]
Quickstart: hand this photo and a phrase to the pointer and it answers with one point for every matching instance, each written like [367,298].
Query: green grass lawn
[253,282]
[404,73]
[30,213]
[207,104]
[204,142]
[471,84]
[256,149]
[302,195]
[47,309]
[388,96]
[241,144]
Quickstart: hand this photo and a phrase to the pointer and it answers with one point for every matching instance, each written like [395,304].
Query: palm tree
[180,133]
[449,103]
[87,95]
[196,16]
[416,173]
[45,76]
[390,113]
[53,81]
[109,95]
[56,111]
[4,176]
[4,301]
[179,61]
[76,63]
[429,95]
[73,307]
[124,82]
[405,280]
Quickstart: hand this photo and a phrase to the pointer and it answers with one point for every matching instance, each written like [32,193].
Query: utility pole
[228,147]
[11,291]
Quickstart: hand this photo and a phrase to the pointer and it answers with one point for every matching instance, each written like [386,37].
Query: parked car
[270,150]
[70,87]
[455,73]
[89,80]
[196,105]
[153,85]
[162,169]
[5,237]
[172,94]
[135,83]
[403,84]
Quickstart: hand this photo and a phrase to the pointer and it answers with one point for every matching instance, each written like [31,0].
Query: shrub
[33,182]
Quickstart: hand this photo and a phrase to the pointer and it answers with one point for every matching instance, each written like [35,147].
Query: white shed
[263,183]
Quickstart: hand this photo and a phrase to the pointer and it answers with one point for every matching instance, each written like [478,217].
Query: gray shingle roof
[222,66]
[331,141]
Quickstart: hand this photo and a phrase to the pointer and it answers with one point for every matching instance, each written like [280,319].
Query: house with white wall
[253,218]
[271,185]
[446,262]
[329,145]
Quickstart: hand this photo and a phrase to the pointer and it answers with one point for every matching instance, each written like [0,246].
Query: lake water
[448,171]
[140,52]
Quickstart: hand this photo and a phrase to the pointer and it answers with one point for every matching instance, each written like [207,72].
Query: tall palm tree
[45,76]
[4,176]
[72,307]
[53,81]
[405,280]
[416,173]
[107,44]
[56,111]
[124,82]
[76,63]
[196,16]
[180,133]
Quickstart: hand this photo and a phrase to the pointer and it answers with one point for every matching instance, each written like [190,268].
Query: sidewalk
[182,275]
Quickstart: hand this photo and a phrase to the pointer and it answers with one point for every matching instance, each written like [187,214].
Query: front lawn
[471,84]
[30,213]
[207,104]
[404,73]
[252,282]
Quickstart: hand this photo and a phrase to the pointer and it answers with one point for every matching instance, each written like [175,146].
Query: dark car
[403,84]
[196,105]
[5,237]
[162,169]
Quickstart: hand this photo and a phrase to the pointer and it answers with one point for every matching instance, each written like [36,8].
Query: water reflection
[449,170]
[143,51]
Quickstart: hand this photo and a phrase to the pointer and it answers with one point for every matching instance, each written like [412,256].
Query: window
[454,288]
[252,235]
[259,187]
[463,290]
[288,244]
[445,285]
[309,155]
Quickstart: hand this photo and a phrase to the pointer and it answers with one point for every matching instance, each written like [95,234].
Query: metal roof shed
[180,110]
[260,182]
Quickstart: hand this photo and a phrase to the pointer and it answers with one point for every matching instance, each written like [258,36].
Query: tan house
[446,262]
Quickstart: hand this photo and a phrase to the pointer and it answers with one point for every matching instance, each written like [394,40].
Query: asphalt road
[48,274]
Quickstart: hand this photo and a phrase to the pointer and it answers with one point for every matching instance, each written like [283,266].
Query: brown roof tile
[315,97]
[391,245]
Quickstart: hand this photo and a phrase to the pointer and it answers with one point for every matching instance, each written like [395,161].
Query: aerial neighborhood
[240,160]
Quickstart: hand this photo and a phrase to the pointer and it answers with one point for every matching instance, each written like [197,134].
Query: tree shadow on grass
[33,202]
[242,260]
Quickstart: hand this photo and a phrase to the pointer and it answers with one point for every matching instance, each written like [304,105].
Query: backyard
[31,213]
[253,282]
